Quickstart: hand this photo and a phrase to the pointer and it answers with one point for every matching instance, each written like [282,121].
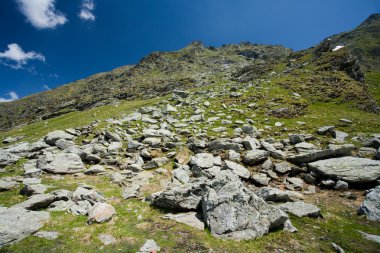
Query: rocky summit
[241,148]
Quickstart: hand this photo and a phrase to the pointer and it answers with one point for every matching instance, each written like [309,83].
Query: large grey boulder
[61,163]
[349,169]
[315,155]
[181,197]
[300,209]
[232,211]
[18,223]
[52,137]
[371,205]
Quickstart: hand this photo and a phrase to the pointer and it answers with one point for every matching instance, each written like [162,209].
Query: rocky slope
[267,151]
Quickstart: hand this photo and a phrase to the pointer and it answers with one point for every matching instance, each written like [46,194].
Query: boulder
[349,169]
[95,169]
[100,213]
[237,169]
[224,144]
[54,136]
[371,205]
[7,158]
[232,211]
[202,160]
[131,191]
[61,163]
[181,197]
[261,179]
[6,185]
[18,223]
[87,194]
[254,157]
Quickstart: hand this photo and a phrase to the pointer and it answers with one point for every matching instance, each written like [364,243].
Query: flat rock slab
[36,202]
[7,185]
[18,223]
[374,238]
[190,218]
[301,209]
[349,169]
[107,239]
[61,163]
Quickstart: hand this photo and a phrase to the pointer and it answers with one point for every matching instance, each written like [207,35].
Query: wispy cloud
[86,10]
[15,57]
[12,97]
[42,13]
[46,87]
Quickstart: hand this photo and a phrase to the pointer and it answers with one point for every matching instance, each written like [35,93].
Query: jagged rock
[63,144]
[54,136]
[61,163]
[276,195]
[150,246]
[192,219]
[282,168]
[131,191]
[300,209]
[181,197]
[100,213]
[325,129]
[29,190]
[7,158]
[237,169]
[62,194]
[349,169]
[36,202]
[261,179]
[339,136]
[182,174]
[371,205]
[18,223]
[233,155]
[155,163]
[112,136]
[295,138]
[202,160]
[95,169]
[296,182]
[85,194]
[7,185]
[267,165]
[254,157]
[231,211]
[288,227]
[332,151]
[81,207]
[250,143]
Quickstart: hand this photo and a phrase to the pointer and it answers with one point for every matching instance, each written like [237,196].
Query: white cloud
[13,96]
[16,58]
[86,11]
[42,13]
[46,87]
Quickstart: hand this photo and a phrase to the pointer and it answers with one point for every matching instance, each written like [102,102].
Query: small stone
[341,185]
[100,213]
[49,235]
[107,239]
[150,246]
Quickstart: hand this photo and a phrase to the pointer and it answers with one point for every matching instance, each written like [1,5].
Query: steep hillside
[155,75]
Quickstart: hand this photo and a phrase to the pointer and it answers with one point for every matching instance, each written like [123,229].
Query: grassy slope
[340,224]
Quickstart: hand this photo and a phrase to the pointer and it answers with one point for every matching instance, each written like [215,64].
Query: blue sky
[47,43]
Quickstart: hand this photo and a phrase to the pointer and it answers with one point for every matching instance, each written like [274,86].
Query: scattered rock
[49,235]
[100,213]
[107,239]
[349,169]
[150,246]
[371,205]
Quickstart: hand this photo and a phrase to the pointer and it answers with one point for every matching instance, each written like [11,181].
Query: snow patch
[337,48]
